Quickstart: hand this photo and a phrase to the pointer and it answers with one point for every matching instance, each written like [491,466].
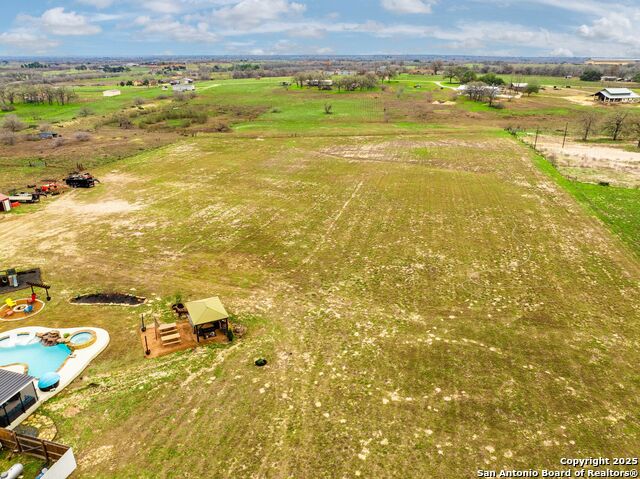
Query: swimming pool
[39,359]
[81,338]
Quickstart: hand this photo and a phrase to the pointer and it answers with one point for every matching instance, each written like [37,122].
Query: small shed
[617,95]
[183,88]
[207,315]
[518,86]
[17,396]
[48,135]
[111,93]
[5,203]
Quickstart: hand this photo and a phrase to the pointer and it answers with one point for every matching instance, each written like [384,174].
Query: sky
[559,28]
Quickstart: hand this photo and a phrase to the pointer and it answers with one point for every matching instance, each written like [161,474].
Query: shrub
[85,111]
[8,138]
[328,108]
[230,335]
[58,142]
[13,123]
[139,101]
[82,136]
[591,75]
[124,122]
[6,108]
[498,106]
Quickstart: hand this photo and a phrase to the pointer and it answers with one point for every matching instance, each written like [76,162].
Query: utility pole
[564,140]
[535,144]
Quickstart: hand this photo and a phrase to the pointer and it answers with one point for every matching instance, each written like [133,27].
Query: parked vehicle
[81,180]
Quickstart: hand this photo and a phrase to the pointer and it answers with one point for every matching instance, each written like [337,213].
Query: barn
[5,203]
[617,95]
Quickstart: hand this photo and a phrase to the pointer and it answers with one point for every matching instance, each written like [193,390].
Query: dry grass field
[429,304]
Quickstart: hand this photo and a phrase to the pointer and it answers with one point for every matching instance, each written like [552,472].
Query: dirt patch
[70,205]
[593,163]
[109,298]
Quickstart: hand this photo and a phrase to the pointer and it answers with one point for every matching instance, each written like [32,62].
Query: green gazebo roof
[206,311]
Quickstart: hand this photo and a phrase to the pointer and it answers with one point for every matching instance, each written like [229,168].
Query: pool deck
[71,368]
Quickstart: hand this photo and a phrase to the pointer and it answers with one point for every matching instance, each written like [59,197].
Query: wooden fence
[21,444]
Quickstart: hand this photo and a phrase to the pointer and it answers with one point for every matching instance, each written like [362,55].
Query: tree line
[616,125]
[35,94]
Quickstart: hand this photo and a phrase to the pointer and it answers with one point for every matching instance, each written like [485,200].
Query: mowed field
[430,304]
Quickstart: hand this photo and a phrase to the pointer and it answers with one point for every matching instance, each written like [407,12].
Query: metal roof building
[617,95]
[17,395]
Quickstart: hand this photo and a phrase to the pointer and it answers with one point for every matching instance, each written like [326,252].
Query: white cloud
[408,6]
[162,6]
[248,13]
[98,3]
[176,30]
[60,22]
[561,52]
[22,40]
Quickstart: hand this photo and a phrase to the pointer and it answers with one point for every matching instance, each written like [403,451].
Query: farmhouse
[111,93]
[617,95]
[610,78]
[5,203]
[183,88]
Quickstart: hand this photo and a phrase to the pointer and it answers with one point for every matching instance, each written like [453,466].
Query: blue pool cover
[48,380]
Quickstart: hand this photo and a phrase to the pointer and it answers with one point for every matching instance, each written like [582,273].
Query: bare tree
[588,123]
[437,65]
[13,123]
[616,123]
[634,128]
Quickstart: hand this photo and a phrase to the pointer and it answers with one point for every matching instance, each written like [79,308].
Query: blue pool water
[40,359]
[81,338]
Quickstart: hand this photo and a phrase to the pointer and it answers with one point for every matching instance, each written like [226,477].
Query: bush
[82,136]
[58,142]
[6,108]
[124,122]
[230,335]
[85,111]
[591,75]
[498,106]
[13,123]
[139,101]
[8,138]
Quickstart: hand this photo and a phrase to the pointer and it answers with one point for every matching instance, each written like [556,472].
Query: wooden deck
[188,340]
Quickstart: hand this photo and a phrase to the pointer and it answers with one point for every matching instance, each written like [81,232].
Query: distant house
[48,135]
[325,84]
[5,203]
[188,81]
[610,78]
[183,88]
[518,86]
[138,83]
[617,95]
[111,93]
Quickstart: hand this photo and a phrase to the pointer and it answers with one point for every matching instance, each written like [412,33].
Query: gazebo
[207,315]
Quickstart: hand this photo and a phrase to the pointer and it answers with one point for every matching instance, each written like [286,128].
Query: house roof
[12,383]
[520,85]
[206,311]
[619,93]
[3,197]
